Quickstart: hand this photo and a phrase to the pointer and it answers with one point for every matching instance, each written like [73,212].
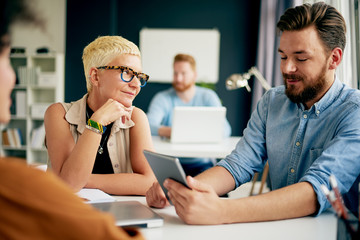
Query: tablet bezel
[165,166]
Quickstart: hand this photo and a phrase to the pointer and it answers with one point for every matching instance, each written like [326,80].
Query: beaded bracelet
[95,127]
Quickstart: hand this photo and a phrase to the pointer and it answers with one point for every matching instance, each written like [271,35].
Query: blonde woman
[97,141]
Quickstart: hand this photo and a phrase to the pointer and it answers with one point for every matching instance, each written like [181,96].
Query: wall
[236,20]
[54,37]
[71,25]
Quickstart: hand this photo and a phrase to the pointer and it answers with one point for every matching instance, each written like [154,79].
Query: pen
[331,198]
[338,198]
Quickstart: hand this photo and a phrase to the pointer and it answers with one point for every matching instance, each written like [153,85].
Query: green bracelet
[96,126]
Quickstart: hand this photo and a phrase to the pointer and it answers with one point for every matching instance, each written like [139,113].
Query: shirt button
[116,165]
[305,116]
[317,112]
[297,143]
[292,170]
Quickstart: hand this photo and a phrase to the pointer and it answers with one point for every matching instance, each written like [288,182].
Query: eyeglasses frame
[122,68]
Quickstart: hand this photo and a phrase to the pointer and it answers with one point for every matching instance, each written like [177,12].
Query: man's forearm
[164,131]
[219,178]
[293,201]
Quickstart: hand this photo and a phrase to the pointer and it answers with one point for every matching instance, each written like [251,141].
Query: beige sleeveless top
[119,140]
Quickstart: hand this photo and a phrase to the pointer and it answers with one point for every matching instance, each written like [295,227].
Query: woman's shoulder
[54,109]
[139,117]
[138,112]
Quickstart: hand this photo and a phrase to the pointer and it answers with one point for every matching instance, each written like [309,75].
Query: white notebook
[91,195]
[198,124]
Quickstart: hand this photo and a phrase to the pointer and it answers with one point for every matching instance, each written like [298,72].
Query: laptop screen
[198,124]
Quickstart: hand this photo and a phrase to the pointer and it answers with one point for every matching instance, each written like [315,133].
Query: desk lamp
[237,80]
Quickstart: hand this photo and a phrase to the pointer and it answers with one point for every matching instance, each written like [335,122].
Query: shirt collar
[330,96]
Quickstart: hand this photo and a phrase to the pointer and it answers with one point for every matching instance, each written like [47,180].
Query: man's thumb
[197,185]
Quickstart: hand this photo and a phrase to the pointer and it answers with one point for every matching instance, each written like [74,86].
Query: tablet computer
[164,167]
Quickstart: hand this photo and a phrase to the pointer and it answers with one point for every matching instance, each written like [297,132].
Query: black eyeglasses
[127,74]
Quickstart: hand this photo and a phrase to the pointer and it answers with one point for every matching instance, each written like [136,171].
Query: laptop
[130,213]
[198,124]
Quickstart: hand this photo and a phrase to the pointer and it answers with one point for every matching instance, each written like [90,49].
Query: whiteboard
[159,46]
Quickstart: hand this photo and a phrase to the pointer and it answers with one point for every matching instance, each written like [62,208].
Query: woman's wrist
[95,126]
[98,119]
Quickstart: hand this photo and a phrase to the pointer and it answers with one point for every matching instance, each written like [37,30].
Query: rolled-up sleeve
[340,158]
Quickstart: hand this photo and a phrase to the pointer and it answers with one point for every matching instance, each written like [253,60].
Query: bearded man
[307,130]
[183,93]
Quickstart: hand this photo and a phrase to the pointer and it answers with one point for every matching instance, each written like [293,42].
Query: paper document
[94,195]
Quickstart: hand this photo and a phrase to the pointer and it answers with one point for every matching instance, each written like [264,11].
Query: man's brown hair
[328,22]
[185,58]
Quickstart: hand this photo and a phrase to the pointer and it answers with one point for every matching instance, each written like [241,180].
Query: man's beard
[309,93]
[182,87]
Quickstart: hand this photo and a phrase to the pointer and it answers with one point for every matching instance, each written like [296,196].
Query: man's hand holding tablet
[164,167]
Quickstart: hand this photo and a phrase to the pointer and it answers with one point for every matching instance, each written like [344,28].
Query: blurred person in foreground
[35,204]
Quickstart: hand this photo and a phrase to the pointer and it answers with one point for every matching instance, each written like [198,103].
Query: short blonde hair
[186,58]
[103,50]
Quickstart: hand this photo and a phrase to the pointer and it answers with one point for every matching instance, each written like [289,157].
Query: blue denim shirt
[301,145]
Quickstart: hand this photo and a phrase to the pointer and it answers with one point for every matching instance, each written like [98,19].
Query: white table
[317,228]
[203,150]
